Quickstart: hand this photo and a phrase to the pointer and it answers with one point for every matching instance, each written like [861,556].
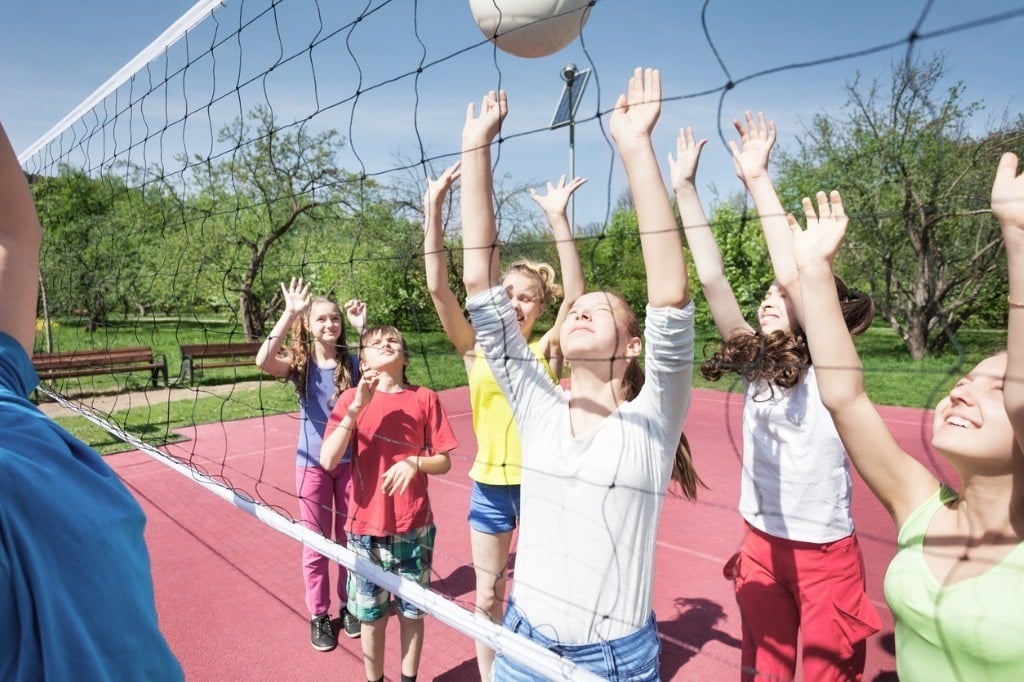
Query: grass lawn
[891,377]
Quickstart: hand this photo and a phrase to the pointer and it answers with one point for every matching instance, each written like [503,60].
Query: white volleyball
[530,28]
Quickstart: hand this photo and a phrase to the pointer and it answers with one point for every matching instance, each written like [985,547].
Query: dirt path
[106,403]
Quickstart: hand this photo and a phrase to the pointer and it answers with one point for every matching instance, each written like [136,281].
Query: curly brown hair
[781,358]
[298,352]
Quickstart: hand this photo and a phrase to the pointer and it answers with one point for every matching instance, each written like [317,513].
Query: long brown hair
[782,357]
[683,471]
[298,352]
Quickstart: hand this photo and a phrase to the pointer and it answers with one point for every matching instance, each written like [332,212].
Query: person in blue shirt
[76,592]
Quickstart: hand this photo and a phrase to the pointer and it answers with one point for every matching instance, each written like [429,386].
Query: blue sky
[56,52]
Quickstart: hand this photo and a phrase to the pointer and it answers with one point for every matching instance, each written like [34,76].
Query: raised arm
[479,230]
[632,122]
[707,257]
[296,300]
[750,159]
[1008,207]
[898,480]
[342,422]
[446,303]
[355,311]
[20,239]
[554,203]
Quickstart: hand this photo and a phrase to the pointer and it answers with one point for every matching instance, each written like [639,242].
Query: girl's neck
[593,395]
[992,504]
[324,353]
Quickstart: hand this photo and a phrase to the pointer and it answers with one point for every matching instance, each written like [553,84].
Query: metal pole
[572,163]
[569,72]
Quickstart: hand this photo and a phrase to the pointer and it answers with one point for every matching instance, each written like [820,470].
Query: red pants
[783,588]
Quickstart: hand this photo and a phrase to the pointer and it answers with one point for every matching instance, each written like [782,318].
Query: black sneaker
[350,624]
[322,633]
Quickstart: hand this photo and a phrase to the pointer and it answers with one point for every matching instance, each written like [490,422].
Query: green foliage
[89,251]
[387,267]
[247,208]
[737,231]
[916,185]
[613,261]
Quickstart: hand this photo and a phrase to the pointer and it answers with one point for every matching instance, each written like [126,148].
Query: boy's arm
[21,236]
[707,257]
[632,122]
[337,437]
[338,433]
[479,230]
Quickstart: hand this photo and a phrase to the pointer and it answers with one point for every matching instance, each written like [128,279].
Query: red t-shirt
[392,427]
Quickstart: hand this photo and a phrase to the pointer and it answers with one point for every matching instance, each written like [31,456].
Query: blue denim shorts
[634,657]
[493,509]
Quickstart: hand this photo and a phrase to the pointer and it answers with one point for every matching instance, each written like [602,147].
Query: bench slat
[81,362]
[196,355]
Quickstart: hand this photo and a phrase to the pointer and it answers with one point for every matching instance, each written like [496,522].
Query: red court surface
[229,590]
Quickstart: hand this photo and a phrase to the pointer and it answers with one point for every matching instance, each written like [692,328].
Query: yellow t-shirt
[498,458]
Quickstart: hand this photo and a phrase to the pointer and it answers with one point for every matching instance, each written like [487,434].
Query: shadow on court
[229,591]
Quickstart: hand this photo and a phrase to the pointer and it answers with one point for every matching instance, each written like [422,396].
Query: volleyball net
[257,141]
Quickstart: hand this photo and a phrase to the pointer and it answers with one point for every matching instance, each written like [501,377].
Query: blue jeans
[634,657]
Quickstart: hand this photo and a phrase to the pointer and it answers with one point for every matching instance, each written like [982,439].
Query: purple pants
[323,508]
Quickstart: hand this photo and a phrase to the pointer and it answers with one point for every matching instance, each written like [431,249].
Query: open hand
[757,138]
[825,231]
[683,167]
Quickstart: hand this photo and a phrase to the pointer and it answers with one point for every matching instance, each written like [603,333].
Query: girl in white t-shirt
[799,575]
[597,460]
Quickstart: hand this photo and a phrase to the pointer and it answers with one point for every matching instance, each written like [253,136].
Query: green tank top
[972,630]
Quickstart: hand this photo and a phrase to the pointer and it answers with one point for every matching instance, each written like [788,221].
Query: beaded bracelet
[1014,304]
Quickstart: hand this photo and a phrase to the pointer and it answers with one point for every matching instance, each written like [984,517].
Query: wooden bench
[82,363]
[198,356]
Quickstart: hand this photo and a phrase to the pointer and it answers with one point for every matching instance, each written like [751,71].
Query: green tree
[91,246]
[916,184]
[277,181]
[737,231]
[612,260]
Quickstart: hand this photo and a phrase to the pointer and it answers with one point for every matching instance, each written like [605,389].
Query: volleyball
[530,28]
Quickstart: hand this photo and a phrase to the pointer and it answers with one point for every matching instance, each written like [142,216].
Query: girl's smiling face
[776,311]
[971,422]
[324,321]
[525,293]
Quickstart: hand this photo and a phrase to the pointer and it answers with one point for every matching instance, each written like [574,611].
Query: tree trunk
[916,336]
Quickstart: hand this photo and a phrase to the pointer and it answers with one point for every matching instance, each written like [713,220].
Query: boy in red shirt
[399,434]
